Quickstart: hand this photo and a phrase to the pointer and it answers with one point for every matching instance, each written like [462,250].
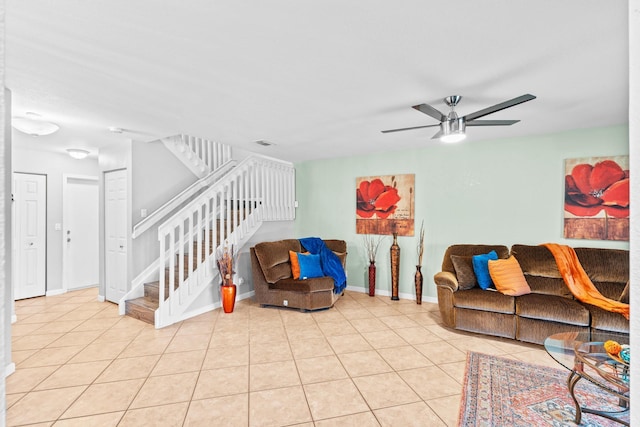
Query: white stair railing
[200,155]
[257,189]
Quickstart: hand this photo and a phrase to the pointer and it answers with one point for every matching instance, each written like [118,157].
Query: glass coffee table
[583,354]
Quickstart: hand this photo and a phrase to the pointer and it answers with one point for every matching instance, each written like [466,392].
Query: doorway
[30,235]
[116,235]
[80,251]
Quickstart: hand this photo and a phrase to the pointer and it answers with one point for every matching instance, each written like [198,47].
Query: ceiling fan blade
[415,127]
[430,111]
[491,122]
[499,107]
[437,135]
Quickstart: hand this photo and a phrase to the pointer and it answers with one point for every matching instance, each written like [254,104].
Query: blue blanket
[331,265]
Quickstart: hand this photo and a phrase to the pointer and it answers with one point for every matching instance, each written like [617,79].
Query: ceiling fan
[452,127]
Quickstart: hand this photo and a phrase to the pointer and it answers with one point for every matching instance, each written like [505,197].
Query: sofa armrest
[446,279]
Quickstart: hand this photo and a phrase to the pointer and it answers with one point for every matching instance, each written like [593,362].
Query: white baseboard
[9,369]
[387,293]
[100,298]
[55,292]
[245,295]
[213,306]
[14,318]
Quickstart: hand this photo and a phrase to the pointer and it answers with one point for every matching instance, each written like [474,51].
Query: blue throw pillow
[310,266]
[481,268]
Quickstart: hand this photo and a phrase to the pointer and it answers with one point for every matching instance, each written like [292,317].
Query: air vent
[264,143]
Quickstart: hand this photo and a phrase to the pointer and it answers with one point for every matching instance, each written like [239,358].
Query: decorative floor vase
[228,297]
[395,267]
[418,280]
[372,279]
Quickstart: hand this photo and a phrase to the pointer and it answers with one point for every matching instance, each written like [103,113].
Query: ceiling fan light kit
[453,128]
[33,125]
[452,131]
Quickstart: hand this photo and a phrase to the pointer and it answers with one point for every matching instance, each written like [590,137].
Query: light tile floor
[365,362]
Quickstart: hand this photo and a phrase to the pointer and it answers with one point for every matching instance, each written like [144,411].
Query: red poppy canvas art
[596,198]
[384,204]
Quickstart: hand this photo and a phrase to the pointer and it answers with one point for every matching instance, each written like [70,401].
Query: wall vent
[264,143]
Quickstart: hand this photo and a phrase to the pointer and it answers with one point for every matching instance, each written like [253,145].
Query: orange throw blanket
[579,283]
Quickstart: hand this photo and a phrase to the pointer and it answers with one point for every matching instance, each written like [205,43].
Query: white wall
[157,176]
[54,166]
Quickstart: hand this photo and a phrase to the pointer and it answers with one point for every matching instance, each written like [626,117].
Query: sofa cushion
[274,258]
[464,271]
[481,268]
[317,284]
[604,320]
[469,250]
[489,300]
[548,286]
[552,308]
[611,290]
[624,296]
[536,261]
[605,265]
[507,276]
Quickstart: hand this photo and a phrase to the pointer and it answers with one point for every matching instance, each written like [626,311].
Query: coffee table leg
[571,384]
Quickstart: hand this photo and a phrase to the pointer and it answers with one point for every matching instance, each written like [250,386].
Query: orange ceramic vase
[228,297]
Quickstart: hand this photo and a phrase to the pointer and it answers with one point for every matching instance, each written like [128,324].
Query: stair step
[141,308]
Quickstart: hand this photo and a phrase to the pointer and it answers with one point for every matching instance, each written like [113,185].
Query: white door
[81,231]
[29,222]
[115,232]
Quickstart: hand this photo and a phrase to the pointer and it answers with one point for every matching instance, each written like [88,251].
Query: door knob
[68,239]
[121,247]
[30,243]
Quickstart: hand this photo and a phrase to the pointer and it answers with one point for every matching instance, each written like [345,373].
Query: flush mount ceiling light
[77,153]
[32,124]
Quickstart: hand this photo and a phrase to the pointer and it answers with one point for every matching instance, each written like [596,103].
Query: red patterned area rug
[504,392]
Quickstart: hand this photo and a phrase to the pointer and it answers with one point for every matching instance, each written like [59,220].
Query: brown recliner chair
[273,280]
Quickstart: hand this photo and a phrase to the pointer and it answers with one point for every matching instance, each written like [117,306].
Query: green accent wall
[502,191]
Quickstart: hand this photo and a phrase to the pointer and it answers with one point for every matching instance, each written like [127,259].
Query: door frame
[65,219]
[14,247]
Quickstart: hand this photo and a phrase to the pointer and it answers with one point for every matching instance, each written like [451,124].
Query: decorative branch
[420,248]
[371,245]
[225,259]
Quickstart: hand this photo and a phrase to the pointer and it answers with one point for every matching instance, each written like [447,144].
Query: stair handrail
[164,210]
[261,188]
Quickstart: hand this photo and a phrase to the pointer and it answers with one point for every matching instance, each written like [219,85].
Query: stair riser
[140,313]
[151,292]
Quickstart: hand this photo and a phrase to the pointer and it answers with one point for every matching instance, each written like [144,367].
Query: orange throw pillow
[295,265]
[507,276]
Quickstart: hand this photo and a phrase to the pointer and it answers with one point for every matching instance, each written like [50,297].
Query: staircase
[200,155]
[230,210]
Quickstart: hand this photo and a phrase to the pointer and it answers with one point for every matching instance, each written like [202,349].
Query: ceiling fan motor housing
[454,125]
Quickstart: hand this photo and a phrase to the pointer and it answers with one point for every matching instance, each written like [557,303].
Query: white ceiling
[319,79]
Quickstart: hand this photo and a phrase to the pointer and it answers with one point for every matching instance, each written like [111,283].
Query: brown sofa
[549,308]
[273,281]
